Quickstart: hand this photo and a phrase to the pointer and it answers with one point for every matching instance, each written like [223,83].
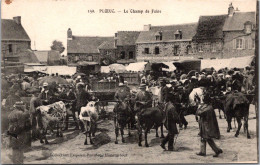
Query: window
[248,28]
[156,50]
[200,48]
[213,47]
[76,58]
[176,50]
[239,43]
[122,55]
[189,49]
[131,55]
[146,50]
[10,48]
[158,36]
[90,58]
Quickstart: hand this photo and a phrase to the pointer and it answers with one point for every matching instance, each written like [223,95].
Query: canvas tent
[217,64]
[136,67]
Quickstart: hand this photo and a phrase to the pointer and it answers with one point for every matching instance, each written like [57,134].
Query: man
[172,118]
[83,98]
[46,95]
[68,96]
[163,91]
[25,84]
[208,126]
[19,132]
[122,93]
[12,99]
[143,98]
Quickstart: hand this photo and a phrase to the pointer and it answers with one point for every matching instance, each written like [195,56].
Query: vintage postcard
[122,82]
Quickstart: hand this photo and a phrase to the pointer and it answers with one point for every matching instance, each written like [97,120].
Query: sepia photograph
[127,82]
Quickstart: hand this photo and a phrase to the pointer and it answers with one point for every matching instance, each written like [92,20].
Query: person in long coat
[208,126]
[19,132]
[172,118]
[82,100]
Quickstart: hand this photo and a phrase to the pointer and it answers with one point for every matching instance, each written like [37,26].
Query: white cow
[89,116]
[196,96]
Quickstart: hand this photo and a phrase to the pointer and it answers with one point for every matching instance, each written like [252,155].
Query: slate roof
[13,31]
[236,22]
[27,56]
[210,27]
[42,56]
[127,37]
[107,45]
[85,44]
[188,31]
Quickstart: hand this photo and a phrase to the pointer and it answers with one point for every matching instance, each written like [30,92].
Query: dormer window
[248,27]
[178,34]
[158,36]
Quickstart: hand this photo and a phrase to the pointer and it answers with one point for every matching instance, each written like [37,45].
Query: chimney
[17,20]
[230,10]
[147,27]
[69,34]
[115,40]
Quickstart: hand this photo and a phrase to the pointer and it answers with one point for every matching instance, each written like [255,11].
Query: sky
[48,20]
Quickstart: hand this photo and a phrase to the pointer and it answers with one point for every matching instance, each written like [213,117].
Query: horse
[122,117]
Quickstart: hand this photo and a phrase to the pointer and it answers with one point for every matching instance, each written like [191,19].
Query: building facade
[239,33]
[14,41]
[125,46]
[165,43]
[208,40]
[84,48]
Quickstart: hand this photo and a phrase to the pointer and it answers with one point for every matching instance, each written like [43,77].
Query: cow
[122,117]
[148,118]
[237,105]
[49,117]
[89,117]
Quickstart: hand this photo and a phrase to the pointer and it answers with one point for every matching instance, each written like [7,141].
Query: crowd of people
[174,90]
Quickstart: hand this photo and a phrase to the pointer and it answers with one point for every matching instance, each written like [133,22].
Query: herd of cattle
[53,116]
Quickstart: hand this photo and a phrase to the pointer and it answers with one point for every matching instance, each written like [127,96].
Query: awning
[85,63]
[217,64]
[61,70]
[105,69]
[136,67]
[170,65]
[118,68]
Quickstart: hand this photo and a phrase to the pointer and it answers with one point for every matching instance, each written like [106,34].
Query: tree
[57,45]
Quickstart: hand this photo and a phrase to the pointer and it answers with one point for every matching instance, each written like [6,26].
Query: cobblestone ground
[70,149]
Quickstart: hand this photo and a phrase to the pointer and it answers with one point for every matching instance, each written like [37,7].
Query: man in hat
[122,92]
[46,95]
[143,99]
[172,118]
[208,126]
[82,100]
[25,84]
[163,91]
[68,96]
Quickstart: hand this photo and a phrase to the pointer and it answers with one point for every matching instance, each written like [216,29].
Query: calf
[49,117]
[89,116]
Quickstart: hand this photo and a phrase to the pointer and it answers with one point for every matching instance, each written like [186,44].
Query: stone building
[239,33]
[208,40]
[84,48]
[14,42]
[107,52]
[125,46]
[165,43]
